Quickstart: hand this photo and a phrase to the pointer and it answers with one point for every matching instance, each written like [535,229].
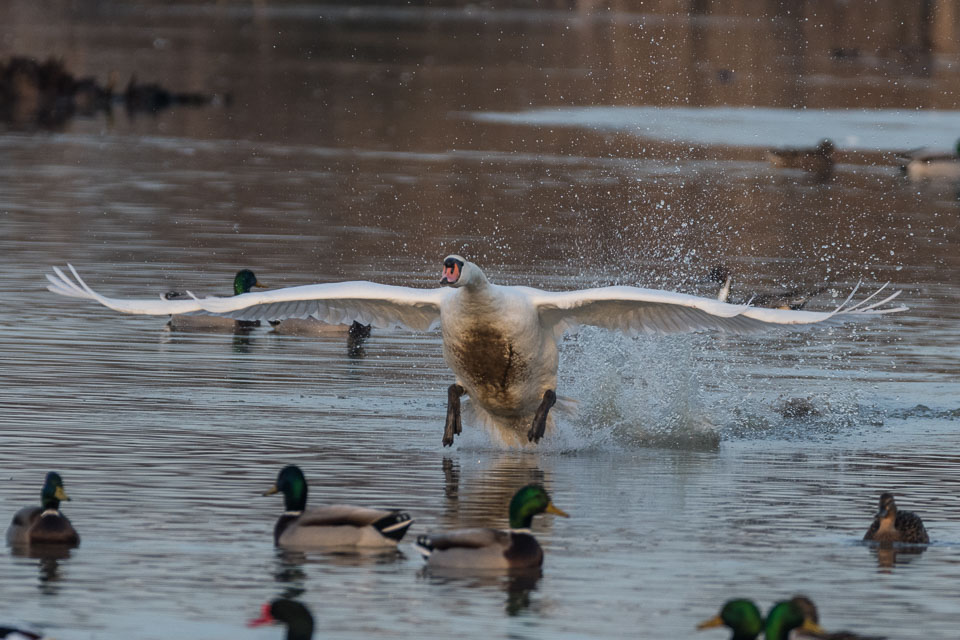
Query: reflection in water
[484,499]
[890,554]
[49,557]
[519,585]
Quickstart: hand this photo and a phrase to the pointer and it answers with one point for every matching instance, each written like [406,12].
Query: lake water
[356,146]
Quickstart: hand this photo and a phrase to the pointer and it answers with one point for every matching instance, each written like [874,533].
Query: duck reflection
[49,557]
[891,554]
[518,585]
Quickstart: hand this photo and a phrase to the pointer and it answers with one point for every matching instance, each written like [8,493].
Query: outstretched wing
[636,310]
[381,305]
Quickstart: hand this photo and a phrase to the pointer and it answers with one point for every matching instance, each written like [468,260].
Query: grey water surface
[353,147]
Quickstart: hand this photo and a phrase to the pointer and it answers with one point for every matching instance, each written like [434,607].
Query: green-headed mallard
[515,548]
[741,616]
[44,524]
[816,160]
[291,613]
[793,299]
[810,613]
[932,165]
[242,283]
[333,526]
[786,616]
[891,525]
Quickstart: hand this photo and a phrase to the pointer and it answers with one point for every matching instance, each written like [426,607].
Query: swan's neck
[724,291]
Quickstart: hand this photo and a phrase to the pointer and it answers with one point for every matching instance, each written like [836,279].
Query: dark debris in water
[44,95]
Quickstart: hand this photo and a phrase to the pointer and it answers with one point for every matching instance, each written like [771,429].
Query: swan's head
[457,272]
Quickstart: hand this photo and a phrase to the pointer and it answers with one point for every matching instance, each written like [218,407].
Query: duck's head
[742,616]
[528,502]
[244,281]
[458,272]
[806,605]
[786,616]
[293,485]
[52,492]
[888,508]
[290,612]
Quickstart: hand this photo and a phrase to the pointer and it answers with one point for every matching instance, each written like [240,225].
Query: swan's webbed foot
[453,426]
[540,418]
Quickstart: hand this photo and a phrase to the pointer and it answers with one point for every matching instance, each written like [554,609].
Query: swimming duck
[810,613]
[242,283]
[786,616]
[741,616]
[932,165]
[515,548]
[891,525]
[294,615]
[500,341]
[333,526]
[44,524]
[816,160]
[794,299]
[13,633]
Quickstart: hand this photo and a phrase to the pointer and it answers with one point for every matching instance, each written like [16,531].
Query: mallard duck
[44,524]
[294,615]
[13,633]
[786,616]
[891,525]
[500,341]
[333,526]
[810,613]
[793,299]
[515,548]
[817,160]
[741,616]
[932,165]
[242,283]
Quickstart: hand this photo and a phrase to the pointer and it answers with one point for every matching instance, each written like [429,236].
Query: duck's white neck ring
[293,513]
[50,512]
[524,530]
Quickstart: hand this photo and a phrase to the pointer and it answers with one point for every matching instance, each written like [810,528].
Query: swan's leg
[453,426]
[540,418]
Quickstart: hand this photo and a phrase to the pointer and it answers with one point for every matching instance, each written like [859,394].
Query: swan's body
[500,341]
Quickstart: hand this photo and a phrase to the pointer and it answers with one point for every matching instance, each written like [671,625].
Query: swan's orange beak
[265,617]
[450,274]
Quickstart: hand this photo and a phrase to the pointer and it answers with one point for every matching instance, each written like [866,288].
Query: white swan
[500,341]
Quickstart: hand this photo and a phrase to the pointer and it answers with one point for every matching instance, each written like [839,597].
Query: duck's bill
[812,627]
[60,494]
[715,621]
[557,512]
[272,490]
[262,286]
[450,274]
[265,617]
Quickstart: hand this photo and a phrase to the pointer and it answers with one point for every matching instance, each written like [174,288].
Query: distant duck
[793,299]
[816,160]
[787,616]
[514,548]
[13,633]
[891,525]
[332,526]
[291,613]
[242,283]
[809,610]
[925,164]
[44,524]
[740,616]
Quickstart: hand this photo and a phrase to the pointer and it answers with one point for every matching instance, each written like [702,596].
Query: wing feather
[637,310]
[382,305]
